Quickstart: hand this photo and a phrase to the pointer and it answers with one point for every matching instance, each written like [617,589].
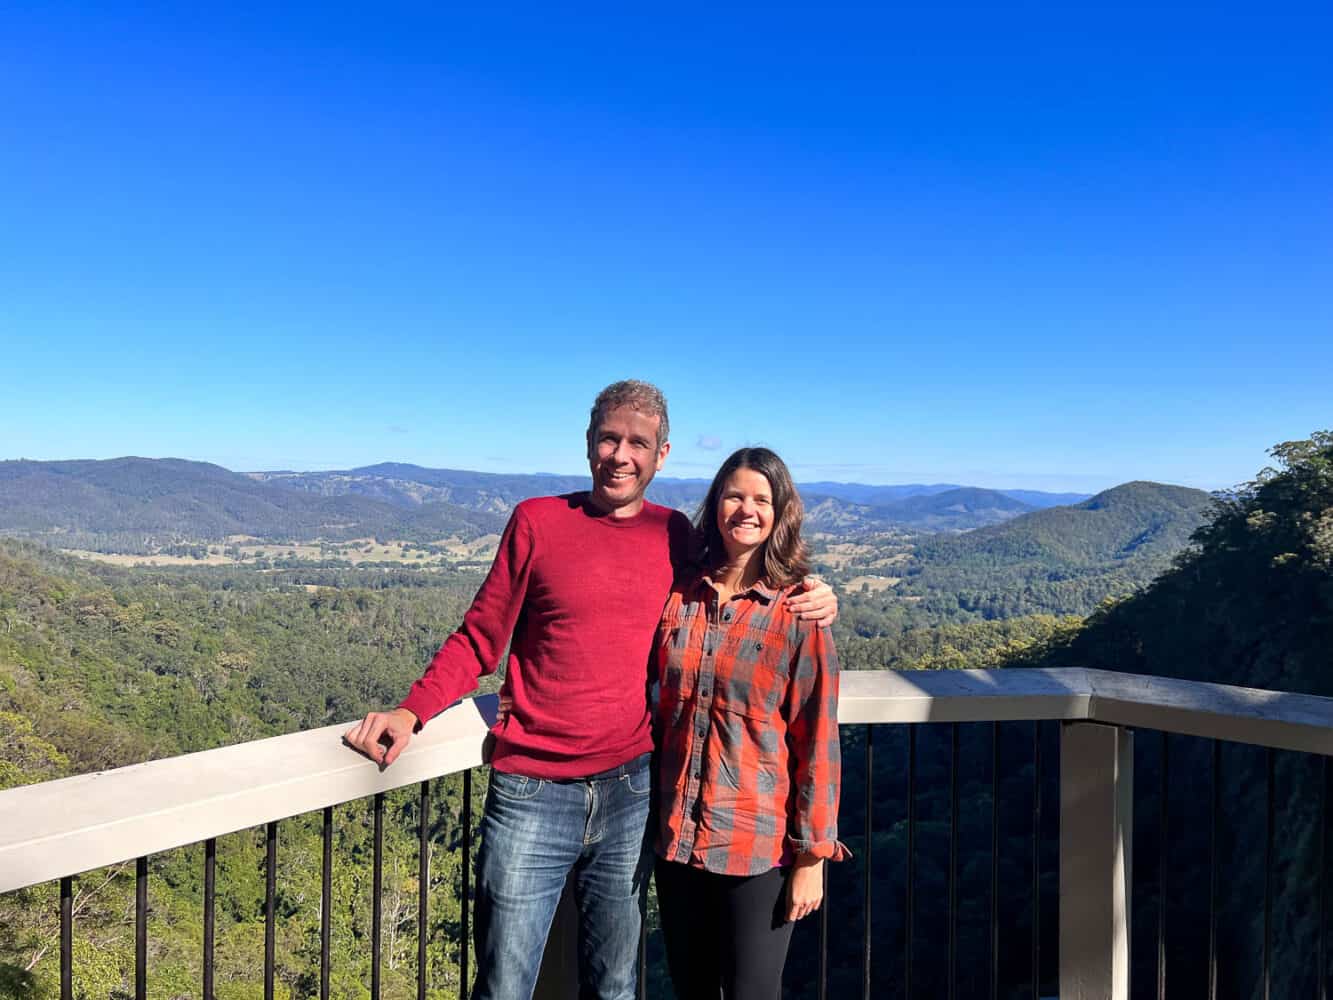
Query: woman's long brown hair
[785,559]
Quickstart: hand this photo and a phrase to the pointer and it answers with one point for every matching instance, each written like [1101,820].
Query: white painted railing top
[1195,708]
[73,825]
[64,827]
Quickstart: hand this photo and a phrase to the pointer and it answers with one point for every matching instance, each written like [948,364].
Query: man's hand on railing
[382,736]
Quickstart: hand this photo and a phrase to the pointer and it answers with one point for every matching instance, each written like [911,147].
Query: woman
[749,762]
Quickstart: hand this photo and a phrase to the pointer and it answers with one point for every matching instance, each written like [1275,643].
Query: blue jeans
[536,832]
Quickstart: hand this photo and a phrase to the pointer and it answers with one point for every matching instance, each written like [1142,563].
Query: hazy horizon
[667,473]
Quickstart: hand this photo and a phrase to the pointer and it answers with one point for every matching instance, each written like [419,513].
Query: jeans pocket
[640,782]
[515,786]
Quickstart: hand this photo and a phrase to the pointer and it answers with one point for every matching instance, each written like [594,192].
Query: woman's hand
[805,887]
[382,736]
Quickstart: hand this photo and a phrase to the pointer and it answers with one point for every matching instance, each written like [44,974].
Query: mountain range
[170,499]
[173,499]
[1062,559]
[830,506]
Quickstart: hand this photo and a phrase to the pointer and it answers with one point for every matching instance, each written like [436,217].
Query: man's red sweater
[582,594]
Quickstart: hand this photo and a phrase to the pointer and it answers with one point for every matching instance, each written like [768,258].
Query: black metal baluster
[909,924]
[953,862]
[376,904]
[870,830]
[1323,877]
[326,904]
[994,860]
[141,929]
[270,898]
[423,885]
[1214,811]
[67,938]
[823,941]
[1161,866]
[467,880]
[642,993]
[1271,759]
[1036,860]
[210,907]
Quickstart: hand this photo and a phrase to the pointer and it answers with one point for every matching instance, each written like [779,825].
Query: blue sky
[1016,246]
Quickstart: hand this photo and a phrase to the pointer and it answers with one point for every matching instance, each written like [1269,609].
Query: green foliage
[1059,561]
[1251,602]
[102,667]
[25,756]
[954,647]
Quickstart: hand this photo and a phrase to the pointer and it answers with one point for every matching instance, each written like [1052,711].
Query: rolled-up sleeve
[814,756]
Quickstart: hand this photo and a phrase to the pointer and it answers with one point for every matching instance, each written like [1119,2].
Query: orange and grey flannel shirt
[747,716]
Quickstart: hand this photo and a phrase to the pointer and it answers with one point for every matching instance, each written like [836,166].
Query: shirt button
[704,693]
[726,615]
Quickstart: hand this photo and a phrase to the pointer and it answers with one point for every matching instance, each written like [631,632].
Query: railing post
[1096,841]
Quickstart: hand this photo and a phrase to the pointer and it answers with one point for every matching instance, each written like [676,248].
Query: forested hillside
[143,506]
[836,507]
[102,667]
[134,501]
[1251,602]
[1063,560]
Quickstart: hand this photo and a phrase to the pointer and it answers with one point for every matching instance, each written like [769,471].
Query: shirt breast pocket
[755,681]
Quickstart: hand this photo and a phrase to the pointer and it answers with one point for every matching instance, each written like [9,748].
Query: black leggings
[723,931]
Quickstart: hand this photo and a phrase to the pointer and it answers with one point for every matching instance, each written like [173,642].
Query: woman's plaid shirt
[747,719]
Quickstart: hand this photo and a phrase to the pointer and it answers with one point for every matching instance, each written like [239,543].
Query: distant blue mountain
[1040,500]
[874,496]
[174,498]
[838,507]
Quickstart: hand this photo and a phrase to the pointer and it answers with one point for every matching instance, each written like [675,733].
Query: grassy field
[117,559]
[840,555]
[872,583]
[866,559]
[242,550]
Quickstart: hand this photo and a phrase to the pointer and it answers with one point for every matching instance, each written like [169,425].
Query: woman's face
[745,512]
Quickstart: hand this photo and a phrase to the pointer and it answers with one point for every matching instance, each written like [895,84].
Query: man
[579,582]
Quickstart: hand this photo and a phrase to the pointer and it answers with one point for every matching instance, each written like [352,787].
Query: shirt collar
[758,589]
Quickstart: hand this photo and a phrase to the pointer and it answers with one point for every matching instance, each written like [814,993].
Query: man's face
[624,456]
